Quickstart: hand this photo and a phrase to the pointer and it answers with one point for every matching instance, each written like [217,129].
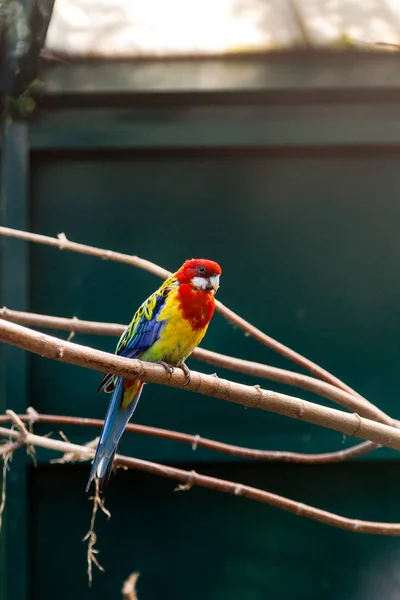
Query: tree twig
[6,458]
[230,487]
[129,587]
[321,388]
[91,536]
[62,243]
[23,430]
[196,441]
[208,385]
[74,325]
[6,453]
[9,448]
[17,422]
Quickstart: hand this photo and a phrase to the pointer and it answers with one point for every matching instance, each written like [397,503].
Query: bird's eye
[201,269]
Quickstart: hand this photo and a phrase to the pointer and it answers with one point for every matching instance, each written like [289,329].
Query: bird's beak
[214,283]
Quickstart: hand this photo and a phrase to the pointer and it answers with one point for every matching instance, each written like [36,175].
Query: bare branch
[17,422]
[129,587]
[6,452]
[196,441]
[208,385]
[193,478]
[9,448]
[74,325]
[64,244]
[321,388]
[4,487]
[21,427]
[283,350]
[91,536]
[70,457]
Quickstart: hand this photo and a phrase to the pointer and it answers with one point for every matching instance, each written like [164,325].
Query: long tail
[116,420]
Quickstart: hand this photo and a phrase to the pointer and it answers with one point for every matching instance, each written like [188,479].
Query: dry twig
[9,448]
[197,441]
[321,388]
[21,427]
[129,587]
[6,453]
[208,385]
[91,537]
[6,459]
[230,487]
[70,457]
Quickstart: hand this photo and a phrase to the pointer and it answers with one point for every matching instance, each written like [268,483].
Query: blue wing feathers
[147,333]
[136,339]
[140,335]
[114,426]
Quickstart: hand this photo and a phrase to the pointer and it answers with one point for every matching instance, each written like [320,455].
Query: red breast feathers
[198,282]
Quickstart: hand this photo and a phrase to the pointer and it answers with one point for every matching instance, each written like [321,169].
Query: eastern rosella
[166,329]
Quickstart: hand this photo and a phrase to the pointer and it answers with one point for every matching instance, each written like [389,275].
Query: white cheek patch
[201,283]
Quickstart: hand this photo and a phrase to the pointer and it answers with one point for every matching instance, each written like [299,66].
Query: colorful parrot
[166,329]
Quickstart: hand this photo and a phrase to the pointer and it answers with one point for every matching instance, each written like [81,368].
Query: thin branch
[345,399]
[9,448]
[197,441]
[73,325]
[192,478]
[6,452]
[4,486]
[129,587]
[69,457]
[62,243]
[208,385]
[17,422]
[250,396]
[321,388]
[91,536]
[23,430]
[283,350]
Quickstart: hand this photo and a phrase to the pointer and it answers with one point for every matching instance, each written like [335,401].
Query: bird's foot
[166,366]
[186,371]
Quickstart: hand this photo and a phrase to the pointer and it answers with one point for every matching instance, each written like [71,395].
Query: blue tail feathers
[113,428]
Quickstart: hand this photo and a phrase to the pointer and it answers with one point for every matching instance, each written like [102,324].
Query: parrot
[165,329]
